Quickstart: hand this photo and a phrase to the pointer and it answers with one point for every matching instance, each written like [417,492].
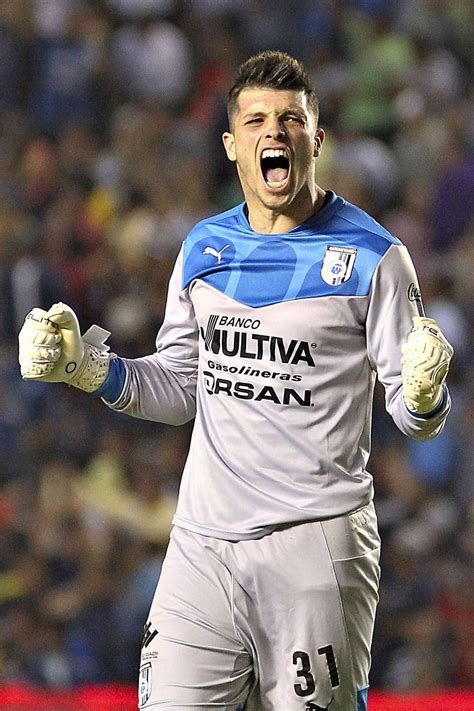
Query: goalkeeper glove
[425,363]
[51,349]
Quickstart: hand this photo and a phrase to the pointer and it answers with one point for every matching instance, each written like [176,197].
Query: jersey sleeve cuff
[112,386]
[440,406]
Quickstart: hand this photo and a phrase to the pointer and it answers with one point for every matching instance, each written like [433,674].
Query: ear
[229,145]
[318,141]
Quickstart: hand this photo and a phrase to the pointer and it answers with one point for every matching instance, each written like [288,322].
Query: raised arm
[160,387]
[416,396]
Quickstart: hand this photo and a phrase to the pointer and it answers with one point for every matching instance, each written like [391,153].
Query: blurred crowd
[111,113]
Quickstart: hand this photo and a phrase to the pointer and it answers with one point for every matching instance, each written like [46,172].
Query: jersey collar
[333,204]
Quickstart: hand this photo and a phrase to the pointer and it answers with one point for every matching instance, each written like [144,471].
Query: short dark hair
[271,70]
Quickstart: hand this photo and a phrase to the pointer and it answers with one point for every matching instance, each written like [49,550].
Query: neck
[266,220]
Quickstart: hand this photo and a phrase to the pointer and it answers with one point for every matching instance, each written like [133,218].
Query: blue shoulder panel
[335,253]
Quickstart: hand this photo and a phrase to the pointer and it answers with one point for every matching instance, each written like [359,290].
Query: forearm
[392,321]
[149,389]
[420,427]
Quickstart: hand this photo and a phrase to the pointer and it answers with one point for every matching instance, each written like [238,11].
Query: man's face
[274,142]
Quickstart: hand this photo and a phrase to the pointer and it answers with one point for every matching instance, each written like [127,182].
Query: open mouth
[275,166]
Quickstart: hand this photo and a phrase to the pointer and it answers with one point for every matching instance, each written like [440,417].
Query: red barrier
[120,698]
[98,698]
[443,700]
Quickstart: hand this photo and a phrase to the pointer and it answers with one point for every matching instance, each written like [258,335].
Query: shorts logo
[338,265]
[144,684]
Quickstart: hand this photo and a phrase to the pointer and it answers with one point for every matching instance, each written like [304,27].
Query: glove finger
[33,371]
[41,354]
[63,316]
[48,355]
[427,342]
[45,338]
[38,319]
[428,327]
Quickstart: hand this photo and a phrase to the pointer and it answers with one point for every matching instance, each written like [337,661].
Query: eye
[294,119]
[253,121]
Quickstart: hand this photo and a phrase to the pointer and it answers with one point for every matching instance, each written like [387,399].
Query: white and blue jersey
[273,343]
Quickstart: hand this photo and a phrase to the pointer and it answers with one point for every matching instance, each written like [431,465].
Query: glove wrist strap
[93,370]
[425,404]
[94,367]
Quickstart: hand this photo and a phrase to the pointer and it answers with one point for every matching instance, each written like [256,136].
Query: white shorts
[281,623]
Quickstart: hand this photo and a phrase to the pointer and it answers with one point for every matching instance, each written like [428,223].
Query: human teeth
[277,183]
[273,153]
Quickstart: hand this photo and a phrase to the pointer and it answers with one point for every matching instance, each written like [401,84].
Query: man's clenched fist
[52,349]
[425,363]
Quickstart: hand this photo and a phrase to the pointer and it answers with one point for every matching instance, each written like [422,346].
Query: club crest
[338,265]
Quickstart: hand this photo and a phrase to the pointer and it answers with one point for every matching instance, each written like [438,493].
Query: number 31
[305,672]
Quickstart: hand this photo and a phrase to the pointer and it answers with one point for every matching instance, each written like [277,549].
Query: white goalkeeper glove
[51,349]
[425,363]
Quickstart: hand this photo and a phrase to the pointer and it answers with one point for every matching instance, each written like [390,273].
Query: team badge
[338,265]
[144,684]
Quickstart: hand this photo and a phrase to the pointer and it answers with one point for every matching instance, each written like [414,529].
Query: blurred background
[111,113]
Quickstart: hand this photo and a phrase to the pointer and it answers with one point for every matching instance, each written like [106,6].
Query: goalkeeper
[281,313]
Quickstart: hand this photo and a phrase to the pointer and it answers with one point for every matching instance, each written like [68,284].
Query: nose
[275,129]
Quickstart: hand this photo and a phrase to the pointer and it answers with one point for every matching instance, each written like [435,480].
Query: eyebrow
[288,110]
[253,114]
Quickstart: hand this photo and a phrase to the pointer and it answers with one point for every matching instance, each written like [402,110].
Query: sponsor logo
[414,294]
[250,391]
[144,684]
[214,253]
[255,346]
[148,635]
[254,372]
[338,264]
[239,322]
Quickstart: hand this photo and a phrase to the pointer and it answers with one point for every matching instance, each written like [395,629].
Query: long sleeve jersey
[273,343]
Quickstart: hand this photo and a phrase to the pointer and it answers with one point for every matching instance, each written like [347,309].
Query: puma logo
[310,706]
[214,253]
